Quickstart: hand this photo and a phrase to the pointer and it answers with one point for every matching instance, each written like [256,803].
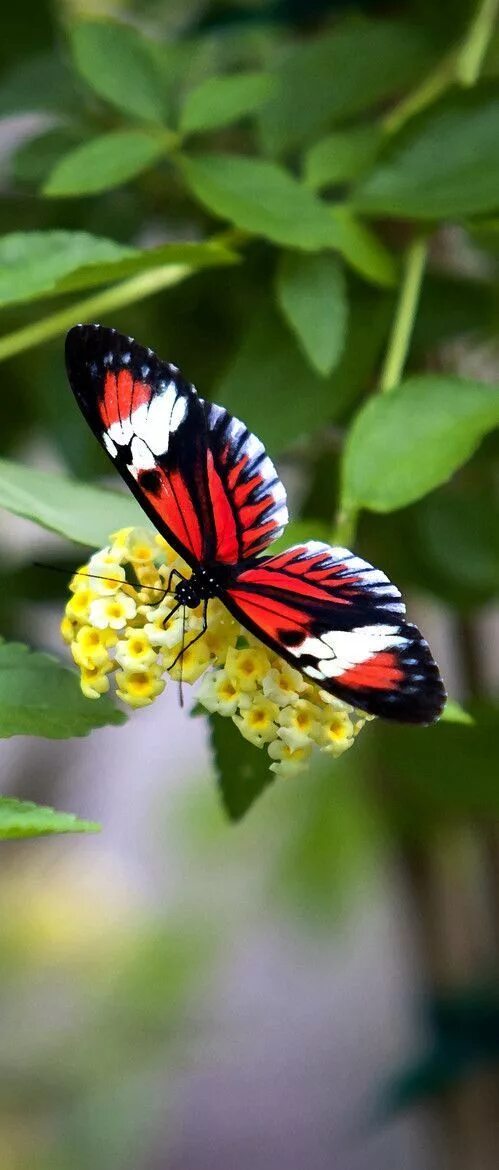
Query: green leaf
[454,713]
[120,66]
[42,264]
[312,296]
[33,263]
[362,250]
[22,818]
[104,163]
[75,510]
[342,156]
[337,75]
[404,444]
[445,163]
[219,101]
[189,256]
[40,696]
[243,771]
[262,198]
[272,386]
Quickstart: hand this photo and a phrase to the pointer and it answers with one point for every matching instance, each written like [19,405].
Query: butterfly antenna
[182,646]
[94,576]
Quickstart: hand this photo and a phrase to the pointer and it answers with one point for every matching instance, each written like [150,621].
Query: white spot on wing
[339,650]
[143,458]
[111,447]
[178,413]
[155,422]
[121,432]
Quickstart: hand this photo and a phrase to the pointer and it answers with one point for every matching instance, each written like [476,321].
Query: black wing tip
[101,345]
[422,696]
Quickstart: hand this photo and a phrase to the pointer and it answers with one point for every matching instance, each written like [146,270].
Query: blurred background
[316,984]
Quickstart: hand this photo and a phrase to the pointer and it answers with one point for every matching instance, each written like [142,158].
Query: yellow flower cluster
[120,619]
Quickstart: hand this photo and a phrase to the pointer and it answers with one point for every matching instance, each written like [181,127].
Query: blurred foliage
[244,188]
[298,202]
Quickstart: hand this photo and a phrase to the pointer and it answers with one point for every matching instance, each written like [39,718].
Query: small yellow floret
[336,731]
[247,667]
[138,688]
[288,761]
[283,684]
[257,719]
[299,723]
[106,574]
[115,611]
[90,647]
[78,606]
[68,629]
[135,650]
[192,663]
[94,681]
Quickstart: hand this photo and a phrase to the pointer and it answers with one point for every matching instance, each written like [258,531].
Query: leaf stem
[405,313]
[345,526]
[472,54]
[124,293]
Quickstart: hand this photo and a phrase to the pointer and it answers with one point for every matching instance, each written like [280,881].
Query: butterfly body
[210,489]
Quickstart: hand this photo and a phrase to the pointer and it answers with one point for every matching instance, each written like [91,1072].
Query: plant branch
[472,53]
[124,293]
[405,314]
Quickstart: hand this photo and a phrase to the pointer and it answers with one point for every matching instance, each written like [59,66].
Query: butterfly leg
[199,635]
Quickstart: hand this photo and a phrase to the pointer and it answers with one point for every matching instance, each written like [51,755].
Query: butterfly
[211,490]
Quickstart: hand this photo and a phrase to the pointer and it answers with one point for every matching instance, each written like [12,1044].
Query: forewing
[203,479]
[341,622]
[152,425]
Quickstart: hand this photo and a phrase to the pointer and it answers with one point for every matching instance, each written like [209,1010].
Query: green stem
[472,54]
[404,315]
[124,293]
[345,526]
[430,89]
[462,64]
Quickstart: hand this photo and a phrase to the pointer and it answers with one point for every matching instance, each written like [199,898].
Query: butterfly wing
[341,622]
[202,478]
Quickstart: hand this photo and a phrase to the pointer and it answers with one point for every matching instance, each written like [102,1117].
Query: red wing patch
[200,475]
[340,621]
[151,423]
[247,497]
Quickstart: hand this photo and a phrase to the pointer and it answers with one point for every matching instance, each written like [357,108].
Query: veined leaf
[262,198]
[404,444]
[445,163]
[220,101]
[311,293]
[84,514]
[342,156]
[43,264]
[33,263]
[334,76]
[41,696]
[104,163]
[23,818]
[362,249]
[119,65]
